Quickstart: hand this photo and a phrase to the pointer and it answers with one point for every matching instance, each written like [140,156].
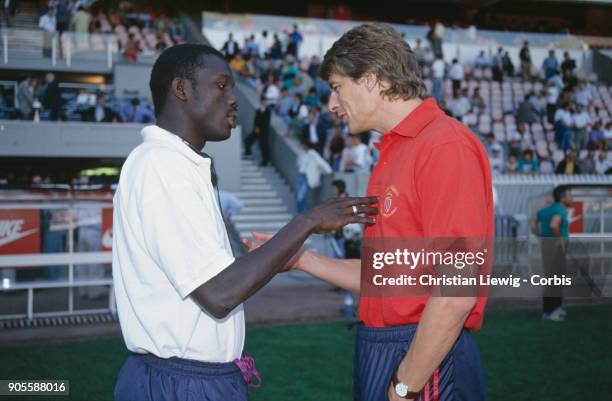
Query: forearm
[439,328]
[343,273]
[246,275]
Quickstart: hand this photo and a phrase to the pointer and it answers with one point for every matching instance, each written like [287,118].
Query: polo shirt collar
[418,119]
[152,133]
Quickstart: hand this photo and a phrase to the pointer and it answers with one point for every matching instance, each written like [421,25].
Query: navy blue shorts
[379,351]
[149,378]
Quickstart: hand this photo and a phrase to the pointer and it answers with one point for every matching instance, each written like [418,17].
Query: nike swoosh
[15,237]
[574,218]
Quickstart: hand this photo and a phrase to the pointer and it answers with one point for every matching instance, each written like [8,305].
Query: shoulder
[150,160]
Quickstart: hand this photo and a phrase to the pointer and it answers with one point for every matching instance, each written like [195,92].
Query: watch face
[401,389]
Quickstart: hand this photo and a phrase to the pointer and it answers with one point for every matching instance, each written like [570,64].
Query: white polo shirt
[168,239]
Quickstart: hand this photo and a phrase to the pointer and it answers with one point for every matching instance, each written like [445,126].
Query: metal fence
[25,44]
[59,263]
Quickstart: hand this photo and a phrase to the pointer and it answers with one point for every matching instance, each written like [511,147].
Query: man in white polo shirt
[179,289]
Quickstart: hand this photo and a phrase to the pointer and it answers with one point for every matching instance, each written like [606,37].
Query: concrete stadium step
[264,209]
[258,226]
[260,201]
[268,217]
[255,187]
[251,174]
[253,180]
[244,195]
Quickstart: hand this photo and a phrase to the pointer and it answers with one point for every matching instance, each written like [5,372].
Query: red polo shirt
[434,181]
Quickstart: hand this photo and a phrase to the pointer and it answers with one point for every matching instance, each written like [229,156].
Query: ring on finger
[355,211]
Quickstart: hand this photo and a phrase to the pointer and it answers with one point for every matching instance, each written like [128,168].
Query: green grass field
[525,358]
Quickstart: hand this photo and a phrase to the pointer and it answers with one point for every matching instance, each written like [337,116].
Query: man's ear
[179,88]
[370,81]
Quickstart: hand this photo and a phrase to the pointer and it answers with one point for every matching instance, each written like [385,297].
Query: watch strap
[410,395]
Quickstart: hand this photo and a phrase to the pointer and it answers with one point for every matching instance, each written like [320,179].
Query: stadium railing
[22,237]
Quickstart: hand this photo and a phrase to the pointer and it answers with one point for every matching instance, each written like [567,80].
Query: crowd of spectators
[42,98]
[136,30]
[532,119]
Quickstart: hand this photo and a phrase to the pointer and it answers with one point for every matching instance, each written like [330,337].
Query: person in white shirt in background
[356,157]
[48,25]
[178,286]
[460,105]
[582,123]
[456,74]
[496,159]
[311,166]
[608,135]
[552,95]
[602,165]
[437,75]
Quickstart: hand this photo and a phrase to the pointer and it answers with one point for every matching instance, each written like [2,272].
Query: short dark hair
[376,48]
[340,184]
[180,61]
[559,192]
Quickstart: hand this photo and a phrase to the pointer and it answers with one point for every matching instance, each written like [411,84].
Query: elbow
[460,306]
[209,302]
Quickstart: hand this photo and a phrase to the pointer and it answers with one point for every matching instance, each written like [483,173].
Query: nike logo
[15,236]
[571,218]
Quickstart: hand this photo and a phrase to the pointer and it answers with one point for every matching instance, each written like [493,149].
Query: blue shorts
[149,378]
[379,351]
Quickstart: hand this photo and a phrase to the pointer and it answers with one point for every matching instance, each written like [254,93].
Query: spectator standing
[81,22]
[26,94]
[563,127]
[336,147]
[295,40]
[550,66]
[508,66]
[230,47]
[525,56]
[437,70]
[48,25]
[552,95]
[456,74]
[552,224]
[498,65]
[261,132]
[310,168]
[52,98]
[314,133]
[582,123]
[568,66]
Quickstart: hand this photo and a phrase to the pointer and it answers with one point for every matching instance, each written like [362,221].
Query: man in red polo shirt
[434,182]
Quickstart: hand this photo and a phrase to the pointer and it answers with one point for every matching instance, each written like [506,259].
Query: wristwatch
[401,389]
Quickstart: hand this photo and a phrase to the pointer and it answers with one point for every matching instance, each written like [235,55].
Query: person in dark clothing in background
[261,132]
[314,132]
[100,113]
[52,99]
